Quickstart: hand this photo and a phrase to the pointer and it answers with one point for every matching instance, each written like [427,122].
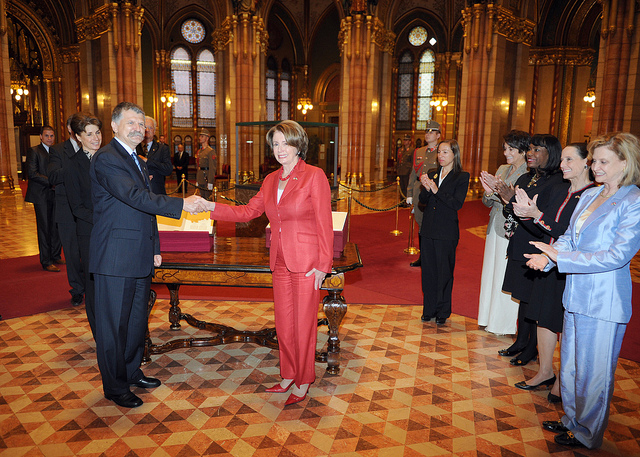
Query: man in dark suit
[157,156]
[124,249]
[181,162]
[60,155]
[41,194]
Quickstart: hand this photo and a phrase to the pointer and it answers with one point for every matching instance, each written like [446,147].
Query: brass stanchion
[411,249]
[183,184]
[349,214]
[397,232]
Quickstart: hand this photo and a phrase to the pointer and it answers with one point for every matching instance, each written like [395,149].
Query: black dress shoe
[416,263]
[524,386]
[146,383]
[441,320]
[509,352]
[76,299]
[519,362]
[126,400]
[554,398]
[554,426]
[567,439]
[424,318]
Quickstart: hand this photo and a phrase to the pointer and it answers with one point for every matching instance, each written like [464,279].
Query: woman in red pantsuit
[297,201]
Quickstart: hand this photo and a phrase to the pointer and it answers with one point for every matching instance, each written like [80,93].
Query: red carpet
[25,288]
[386,277]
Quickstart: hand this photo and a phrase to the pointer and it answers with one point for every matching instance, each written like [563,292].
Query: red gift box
[339,235]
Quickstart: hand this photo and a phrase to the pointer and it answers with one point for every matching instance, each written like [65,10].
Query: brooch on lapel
[435,176]
[295,179]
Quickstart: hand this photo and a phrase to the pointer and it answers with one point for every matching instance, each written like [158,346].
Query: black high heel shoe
[509,352]
[524,386]
[519,362]
[554,398]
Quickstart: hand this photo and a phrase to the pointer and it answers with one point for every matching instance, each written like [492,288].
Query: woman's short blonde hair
[294,135]
[627,147]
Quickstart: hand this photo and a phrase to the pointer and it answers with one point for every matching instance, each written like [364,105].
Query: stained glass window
[418,36]
[206,77]
[271,96]
[182,110]
[426,74]
[405,92]
[193,31]
[285,90]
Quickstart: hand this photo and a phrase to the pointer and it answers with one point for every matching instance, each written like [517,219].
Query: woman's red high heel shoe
[278,389]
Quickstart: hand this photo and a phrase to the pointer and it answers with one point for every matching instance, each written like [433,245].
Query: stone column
[365,49]
[617,84]
[117,28]
[494,40]
[240,44]
[8,161]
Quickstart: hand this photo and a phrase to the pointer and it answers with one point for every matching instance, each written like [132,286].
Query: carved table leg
[174,301]
[146,357]
[334,308]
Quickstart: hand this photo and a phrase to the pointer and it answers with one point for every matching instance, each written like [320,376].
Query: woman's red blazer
[302,218]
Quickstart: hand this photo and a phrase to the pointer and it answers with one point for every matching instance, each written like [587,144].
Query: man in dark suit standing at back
[124,250]
[42,195]
[60,155]
[181,162]
[157,156]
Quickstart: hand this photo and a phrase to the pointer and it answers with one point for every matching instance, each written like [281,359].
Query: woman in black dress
[545,305]
[443,194]
[543,160]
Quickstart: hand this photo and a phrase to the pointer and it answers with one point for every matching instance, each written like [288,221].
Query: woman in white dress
[497,312]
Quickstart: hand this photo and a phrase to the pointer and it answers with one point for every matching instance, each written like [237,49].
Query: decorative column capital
[96,24]
[70,53]
[561,56]
[223,35]
[513,28]
[383,38]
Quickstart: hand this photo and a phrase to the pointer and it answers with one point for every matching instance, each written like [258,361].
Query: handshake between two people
[196,204]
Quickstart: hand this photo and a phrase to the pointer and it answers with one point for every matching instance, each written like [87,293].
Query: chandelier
[168,98]
[18,91]
[590,96]
[304,104]
[438,102]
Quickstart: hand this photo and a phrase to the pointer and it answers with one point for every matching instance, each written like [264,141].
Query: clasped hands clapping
[495,185]
[429,183]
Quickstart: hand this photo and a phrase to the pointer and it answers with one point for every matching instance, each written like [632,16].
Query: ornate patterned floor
[405,388]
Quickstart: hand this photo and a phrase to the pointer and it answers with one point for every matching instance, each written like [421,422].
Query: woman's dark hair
[455,148]
[552,144]
[518,139]
[294,135]
[79,122]
[581,149]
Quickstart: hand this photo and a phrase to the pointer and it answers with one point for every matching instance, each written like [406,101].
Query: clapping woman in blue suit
[595,252]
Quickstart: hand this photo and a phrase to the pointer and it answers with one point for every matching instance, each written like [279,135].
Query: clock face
[193,31]
[418,36]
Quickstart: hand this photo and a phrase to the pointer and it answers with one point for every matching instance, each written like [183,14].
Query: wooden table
[243,262]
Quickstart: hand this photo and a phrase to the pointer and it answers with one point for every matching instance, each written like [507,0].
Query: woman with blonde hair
[595,252]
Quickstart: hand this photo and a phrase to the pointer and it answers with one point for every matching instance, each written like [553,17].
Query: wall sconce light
[18,91]
[438,103]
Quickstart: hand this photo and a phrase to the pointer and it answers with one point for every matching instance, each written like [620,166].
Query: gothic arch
[51,62]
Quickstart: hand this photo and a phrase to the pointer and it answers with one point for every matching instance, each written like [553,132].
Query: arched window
[285,90]
[272,96]
[404,102]
[206,77]
[188,145]
[278,96]
[182,83]
[426,73]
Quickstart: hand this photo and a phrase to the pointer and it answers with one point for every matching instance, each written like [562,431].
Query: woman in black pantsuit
[443,194]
